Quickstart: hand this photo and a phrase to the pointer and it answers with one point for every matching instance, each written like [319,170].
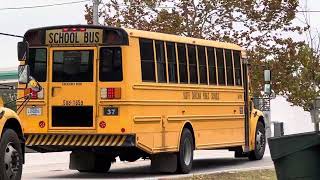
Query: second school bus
[109,92]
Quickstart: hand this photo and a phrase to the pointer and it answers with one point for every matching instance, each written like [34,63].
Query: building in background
[8,76]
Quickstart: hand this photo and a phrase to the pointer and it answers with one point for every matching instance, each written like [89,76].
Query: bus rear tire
[260,143]
[11,157]
[185,154]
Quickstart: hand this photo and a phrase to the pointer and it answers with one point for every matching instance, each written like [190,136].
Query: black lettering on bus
[76,38]
[96,37]
[56,40]
[71,38]
[60,38]
[50,38]
[66,37]
[85,37]
[91,37]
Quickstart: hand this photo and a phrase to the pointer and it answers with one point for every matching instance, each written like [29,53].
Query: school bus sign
[74,36]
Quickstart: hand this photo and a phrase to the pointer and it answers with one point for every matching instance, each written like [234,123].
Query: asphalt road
[55,166]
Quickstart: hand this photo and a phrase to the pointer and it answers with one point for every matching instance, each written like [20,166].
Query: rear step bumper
[81,140]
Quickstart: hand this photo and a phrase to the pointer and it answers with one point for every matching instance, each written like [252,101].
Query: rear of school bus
[80,71]
[94,103]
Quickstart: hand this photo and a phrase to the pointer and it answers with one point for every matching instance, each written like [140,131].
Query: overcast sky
[19,21]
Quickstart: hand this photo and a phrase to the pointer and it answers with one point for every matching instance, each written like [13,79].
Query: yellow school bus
[11,144]
[108,92]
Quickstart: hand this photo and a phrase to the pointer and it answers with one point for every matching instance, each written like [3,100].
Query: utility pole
[95,12]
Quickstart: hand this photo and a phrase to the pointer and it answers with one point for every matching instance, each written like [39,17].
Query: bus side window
[161,62]
[229,67]
[183,69]
[192,64]
[202,65]
[212,66]
[221,70]
[38,63]
[172,63]
[110,64]
[237,67]
[147,60]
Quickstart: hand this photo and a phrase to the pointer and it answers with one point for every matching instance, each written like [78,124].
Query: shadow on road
[199,165]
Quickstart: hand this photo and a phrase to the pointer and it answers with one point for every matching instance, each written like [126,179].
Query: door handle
[53,91]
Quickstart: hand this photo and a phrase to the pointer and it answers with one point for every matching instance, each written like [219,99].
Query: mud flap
[82,161]
[164,162]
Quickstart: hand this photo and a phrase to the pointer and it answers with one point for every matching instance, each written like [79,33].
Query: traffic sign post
[315,113]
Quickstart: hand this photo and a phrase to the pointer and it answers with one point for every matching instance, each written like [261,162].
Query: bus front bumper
[81,140]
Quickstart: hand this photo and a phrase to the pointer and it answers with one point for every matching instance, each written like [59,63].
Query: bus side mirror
[23,51]
[23,74]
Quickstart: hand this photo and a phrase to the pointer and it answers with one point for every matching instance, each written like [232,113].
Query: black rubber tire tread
[181,166]
[10,136]
[255,154]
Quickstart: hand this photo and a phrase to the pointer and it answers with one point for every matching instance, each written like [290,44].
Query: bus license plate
[111,111]
[34,111]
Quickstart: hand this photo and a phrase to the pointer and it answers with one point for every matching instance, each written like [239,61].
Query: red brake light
[82,29]
[74,29]
[110,93]
[65,30]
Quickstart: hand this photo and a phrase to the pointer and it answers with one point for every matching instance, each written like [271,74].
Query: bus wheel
[260,143]
[185,154]
[10,156]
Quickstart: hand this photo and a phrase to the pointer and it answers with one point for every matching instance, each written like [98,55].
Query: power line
[41,6]
[311,11]
[12,35]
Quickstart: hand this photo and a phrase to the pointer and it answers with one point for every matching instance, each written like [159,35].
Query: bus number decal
[72,102]
[111,111]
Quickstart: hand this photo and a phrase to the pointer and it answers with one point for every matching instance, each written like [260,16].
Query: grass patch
[267,174]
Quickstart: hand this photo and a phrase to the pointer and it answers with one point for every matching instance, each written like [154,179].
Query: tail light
[34,94]
[110,93]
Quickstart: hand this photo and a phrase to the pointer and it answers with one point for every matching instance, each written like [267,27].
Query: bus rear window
[73,66]
[38,63]
[110,64]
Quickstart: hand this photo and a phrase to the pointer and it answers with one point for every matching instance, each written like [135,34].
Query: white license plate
[34,111]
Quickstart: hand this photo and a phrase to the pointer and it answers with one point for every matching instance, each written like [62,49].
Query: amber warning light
[74,30]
